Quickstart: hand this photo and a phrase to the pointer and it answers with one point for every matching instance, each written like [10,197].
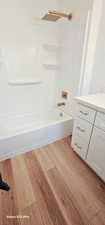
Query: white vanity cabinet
[88,139]
[96,153]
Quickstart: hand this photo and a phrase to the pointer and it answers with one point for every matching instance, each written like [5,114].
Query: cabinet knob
[78,146]
[85,114]
[82,130]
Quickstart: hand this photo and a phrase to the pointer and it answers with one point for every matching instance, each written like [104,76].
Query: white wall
[90,45]
[22,36]
[98,72]
[22,54]
[71,40]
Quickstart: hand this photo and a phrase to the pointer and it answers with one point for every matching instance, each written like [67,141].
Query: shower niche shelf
[51,47]
[51,66]
[24,82]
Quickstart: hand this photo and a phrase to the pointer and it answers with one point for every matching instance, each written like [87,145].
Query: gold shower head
[53,16]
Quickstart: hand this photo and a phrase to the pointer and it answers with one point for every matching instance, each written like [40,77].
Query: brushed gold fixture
[61,104]
[64,95]
[53,16]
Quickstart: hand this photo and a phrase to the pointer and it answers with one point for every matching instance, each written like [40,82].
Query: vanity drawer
[82,129]
[100,121]
[86,113]
[80,147]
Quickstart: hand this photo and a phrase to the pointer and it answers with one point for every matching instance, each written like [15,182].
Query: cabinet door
[96,153]
[100,121]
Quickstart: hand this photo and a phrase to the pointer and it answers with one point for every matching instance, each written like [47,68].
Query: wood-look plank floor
[51,186]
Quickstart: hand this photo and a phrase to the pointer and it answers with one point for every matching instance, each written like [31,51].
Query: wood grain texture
[98,218]
[8,206]
[22,183]
[51,186]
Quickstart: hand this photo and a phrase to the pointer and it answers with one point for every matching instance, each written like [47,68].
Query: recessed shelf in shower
[51,66]
[51,47]
[24,82]
[51,51]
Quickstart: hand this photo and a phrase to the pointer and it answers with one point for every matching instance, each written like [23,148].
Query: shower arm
[53,12]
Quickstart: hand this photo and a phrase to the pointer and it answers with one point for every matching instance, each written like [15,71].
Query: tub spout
[61,104]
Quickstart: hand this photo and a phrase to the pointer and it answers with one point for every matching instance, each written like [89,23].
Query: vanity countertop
[96,101]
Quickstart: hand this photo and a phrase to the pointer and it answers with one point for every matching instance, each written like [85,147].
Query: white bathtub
[23,134]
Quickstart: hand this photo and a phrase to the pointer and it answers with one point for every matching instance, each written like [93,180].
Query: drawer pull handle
[78,146]
[85,114]
[82,130]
